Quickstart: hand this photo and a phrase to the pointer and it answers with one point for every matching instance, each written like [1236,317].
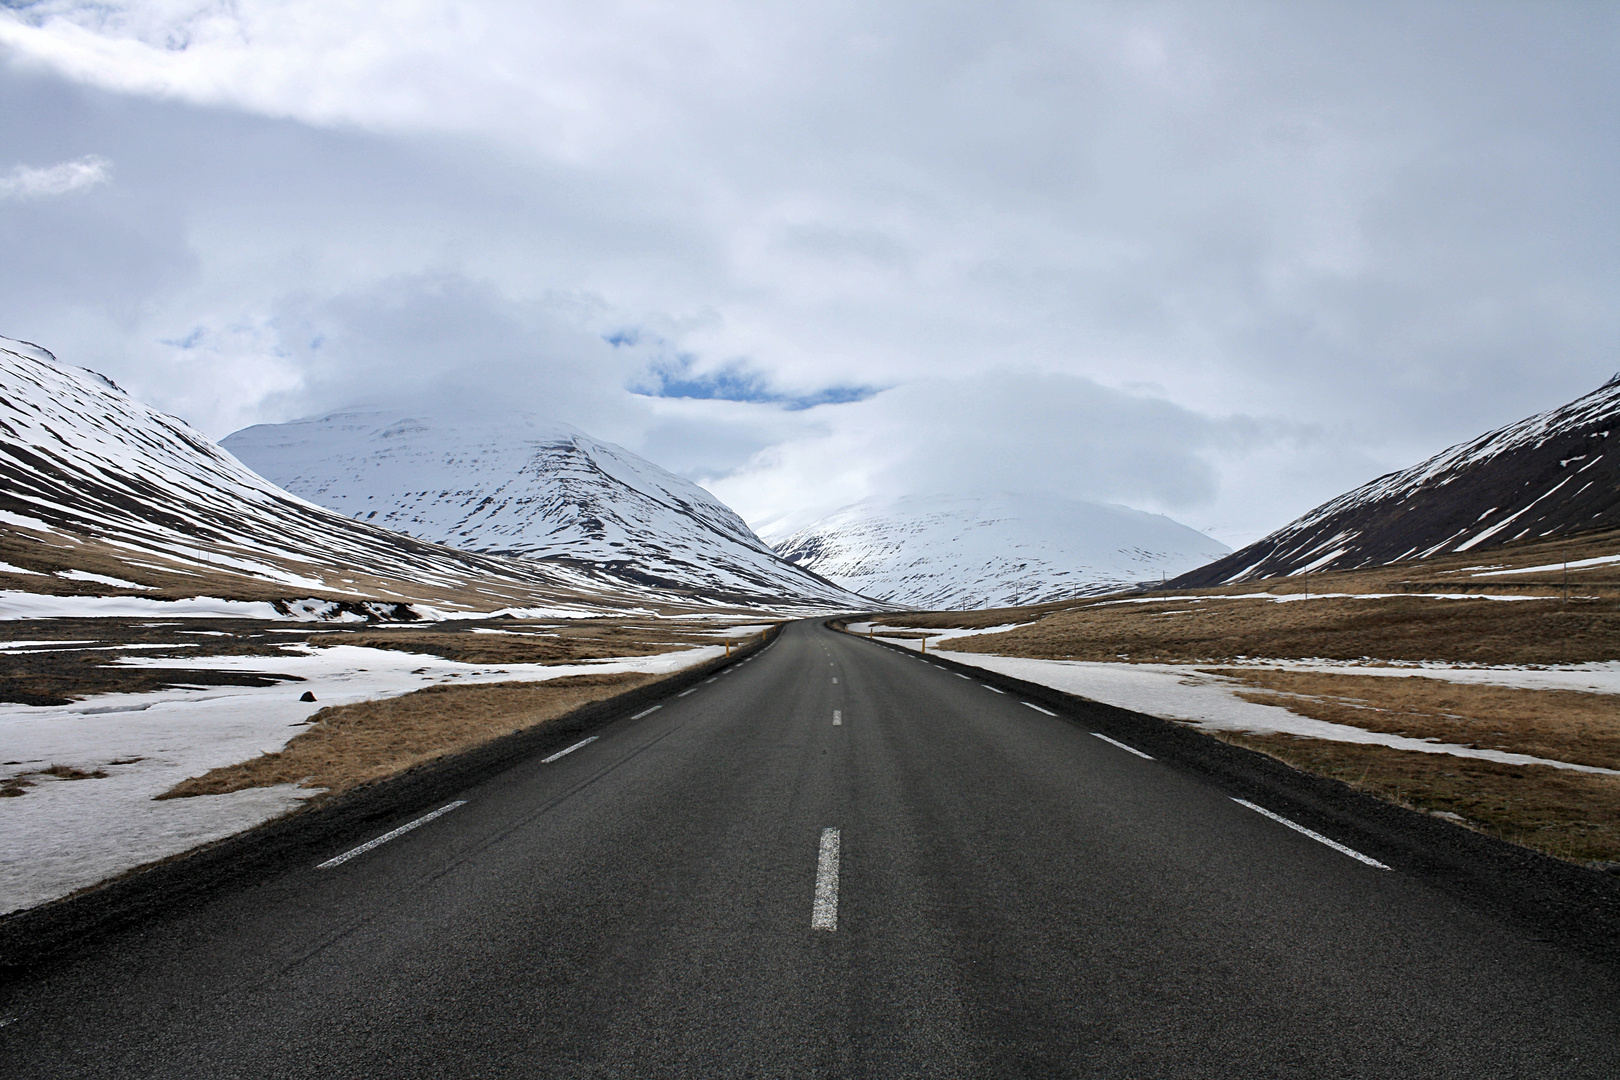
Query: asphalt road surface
[832,860]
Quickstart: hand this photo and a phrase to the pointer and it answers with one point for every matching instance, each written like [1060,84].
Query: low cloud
[1007,430]
[81,174]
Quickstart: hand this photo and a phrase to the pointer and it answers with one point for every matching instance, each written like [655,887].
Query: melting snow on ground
[63,835]
[933,635]
[1183,692]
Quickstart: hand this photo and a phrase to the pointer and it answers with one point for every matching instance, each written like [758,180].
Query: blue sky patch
[736,381]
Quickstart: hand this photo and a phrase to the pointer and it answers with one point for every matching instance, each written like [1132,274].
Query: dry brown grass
[348,745]
[1394,628]
[1569,815]
[1563,725]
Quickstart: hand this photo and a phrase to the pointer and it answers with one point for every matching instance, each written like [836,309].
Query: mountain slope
[1551,474]
[515,485]
[966,552]
[102,494]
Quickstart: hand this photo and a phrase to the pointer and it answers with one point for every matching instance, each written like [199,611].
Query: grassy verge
[349,745]
[1563,725]
[1402,628]
[1568,815]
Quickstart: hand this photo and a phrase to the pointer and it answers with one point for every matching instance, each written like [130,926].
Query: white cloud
[26,182]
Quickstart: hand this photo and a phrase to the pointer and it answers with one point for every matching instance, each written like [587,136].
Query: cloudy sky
[1221,261]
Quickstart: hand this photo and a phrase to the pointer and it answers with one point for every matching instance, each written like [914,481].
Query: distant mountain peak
[518,484]
[955,550]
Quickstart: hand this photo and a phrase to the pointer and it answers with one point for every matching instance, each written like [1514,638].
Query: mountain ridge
[1550,474]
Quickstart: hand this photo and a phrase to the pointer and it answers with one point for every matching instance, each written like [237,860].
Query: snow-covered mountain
[956,552]
[101,493]
[514,484]
[1551,474]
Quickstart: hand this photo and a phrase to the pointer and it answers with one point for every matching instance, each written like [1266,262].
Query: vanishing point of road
[833,859]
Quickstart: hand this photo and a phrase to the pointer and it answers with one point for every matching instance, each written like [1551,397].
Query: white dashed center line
[835,680]
[1318,837]
[683,693]
[1122,746]
[992,689]
[441,811]
[644,712]
[824,912]
[1037,708]
[838,717]
[568,750]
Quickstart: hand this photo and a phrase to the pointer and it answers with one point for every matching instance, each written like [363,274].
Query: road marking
[644,712]
[838,718]
[387,836]
[568,750]
[1122,746]
[706,682]
[835,680]
[1318,837]
[683,693]
[824,912]
[992,689]
[959,675]
[1037,708]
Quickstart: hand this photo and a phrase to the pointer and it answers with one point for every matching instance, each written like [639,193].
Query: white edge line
[1122,746]
[824,912]
[1318,837]
[568,750]
[387,836]
[1037,708]
[644,712]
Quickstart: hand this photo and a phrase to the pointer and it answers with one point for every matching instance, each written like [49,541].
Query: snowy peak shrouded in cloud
[102,496]
[100,493]
[514,484]
[1552,474]
[953,552]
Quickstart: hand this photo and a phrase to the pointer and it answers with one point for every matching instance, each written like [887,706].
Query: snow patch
[63,835]
[1183,692]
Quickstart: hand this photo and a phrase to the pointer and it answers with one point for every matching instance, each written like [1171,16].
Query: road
[1014,897]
